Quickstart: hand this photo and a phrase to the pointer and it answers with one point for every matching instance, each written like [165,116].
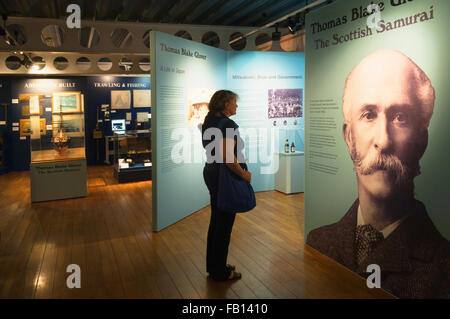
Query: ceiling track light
[27,61]
[276,35]
[268,25]
[297,22]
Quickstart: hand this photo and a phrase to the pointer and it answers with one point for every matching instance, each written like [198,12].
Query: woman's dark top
[212,121]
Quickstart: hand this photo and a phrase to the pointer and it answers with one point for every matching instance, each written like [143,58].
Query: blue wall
[5,97]
[18,151]
[97,94]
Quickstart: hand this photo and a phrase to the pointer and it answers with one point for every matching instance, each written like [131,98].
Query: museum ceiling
[252,13]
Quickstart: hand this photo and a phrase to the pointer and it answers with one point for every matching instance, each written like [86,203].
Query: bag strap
[221,123]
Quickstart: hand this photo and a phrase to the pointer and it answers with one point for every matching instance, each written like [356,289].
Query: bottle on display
[292,148]
[286,146]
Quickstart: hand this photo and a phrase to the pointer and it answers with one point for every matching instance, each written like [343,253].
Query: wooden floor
[109,235]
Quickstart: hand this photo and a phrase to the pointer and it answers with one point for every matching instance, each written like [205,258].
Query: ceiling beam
[185,10]
[255,6]
[164,10]
[108,9]
[226,9]
[279,9]
[133,11]
[205,9]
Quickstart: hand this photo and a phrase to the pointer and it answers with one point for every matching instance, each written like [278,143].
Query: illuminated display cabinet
[133,156]
[57,144]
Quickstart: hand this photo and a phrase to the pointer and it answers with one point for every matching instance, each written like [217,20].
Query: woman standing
[221,107]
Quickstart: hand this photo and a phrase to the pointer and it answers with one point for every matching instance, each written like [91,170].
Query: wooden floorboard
[109,235]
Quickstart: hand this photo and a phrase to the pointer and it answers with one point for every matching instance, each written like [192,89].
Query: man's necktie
[367,238]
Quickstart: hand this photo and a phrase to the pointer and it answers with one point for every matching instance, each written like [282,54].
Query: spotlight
[291,25]
[297,23]
[27,62]
[276,36]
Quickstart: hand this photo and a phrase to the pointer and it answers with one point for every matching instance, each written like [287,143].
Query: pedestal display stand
[290,177]
[60,179]
[58,156]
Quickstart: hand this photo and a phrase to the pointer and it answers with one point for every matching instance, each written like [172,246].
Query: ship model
[61,142]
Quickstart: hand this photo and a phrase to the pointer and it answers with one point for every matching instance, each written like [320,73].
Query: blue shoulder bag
[235,195]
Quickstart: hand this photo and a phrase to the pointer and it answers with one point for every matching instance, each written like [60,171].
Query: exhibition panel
[182,71]
[185,74]
[270,86]
[377,107]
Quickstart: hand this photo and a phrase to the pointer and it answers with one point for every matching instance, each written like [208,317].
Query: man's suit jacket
[414,259]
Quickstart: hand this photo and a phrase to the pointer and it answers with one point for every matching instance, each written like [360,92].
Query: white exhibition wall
[185,74]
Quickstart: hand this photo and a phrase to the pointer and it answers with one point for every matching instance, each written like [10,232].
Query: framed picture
[142,117]
[25,128]
[142,98]
[72,125]
[26,110]
[120,99]
[26,97]
[66,102]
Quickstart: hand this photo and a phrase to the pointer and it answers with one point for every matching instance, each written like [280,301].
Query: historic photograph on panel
[120,99]
[198,100]
[65,102]
[387,103]
[285,103]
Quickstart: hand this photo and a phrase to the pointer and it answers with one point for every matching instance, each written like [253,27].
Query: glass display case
[57,145]
[133,156]
[65,142]
[59,137]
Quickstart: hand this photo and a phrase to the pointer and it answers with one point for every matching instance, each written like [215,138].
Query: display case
[64,142]
[133,156]
[57,144]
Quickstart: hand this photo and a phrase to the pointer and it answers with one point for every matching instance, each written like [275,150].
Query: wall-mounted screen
[118,126]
